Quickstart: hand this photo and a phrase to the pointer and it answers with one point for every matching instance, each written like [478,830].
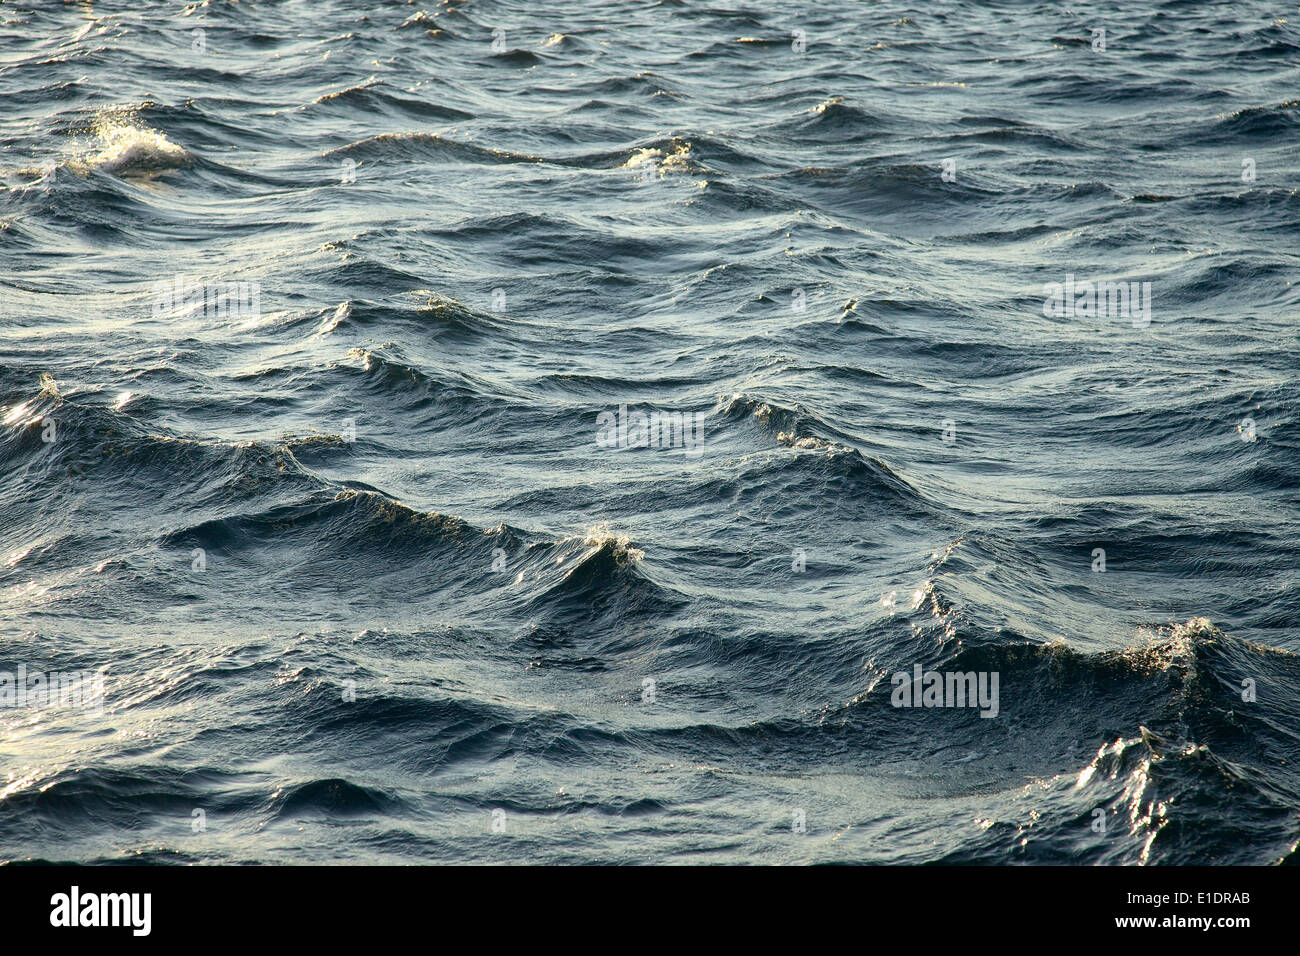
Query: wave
[122,147]
[376,97]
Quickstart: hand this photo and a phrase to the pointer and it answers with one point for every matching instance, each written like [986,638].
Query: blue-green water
[369,578]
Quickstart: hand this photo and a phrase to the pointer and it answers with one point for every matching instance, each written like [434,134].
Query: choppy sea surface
[367,573]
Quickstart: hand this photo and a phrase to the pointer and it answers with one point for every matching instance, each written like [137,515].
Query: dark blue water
[368,577]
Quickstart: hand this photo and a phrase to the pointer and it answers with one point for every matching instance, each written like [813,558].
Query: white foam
[124,147]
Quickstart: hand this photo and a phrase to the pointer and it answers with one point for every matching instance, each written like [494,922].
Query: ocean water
[330,334]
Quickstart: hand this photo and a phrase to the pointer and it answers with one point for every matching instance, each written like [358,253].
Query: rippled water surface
[368,577]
